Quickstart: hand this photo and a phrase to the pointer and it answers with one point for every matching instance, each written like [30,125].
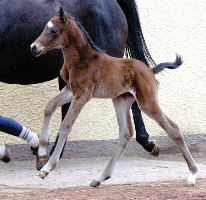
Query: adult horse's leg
[122,106]
[142,136]
[137,49]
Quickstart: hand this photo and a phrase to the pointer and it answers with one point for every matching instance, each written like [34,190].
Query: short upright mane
[88,37]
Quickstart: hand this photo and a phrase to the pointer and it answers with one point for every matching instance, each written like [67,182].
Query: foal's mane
[93,45]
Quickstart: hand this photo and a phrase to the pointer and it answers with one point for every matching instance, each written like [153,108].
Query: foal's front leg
[65,128]
[63,97]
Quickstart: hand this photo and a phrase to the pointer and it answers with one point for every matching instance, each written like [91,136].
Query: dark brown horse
[111,24]
[90,73]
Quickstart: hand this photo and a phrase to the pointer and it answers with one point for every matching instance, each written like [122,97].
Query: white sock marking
[192,178]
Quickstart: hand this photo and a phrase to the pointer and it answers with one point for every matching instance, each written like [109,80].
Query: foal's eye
[55,30]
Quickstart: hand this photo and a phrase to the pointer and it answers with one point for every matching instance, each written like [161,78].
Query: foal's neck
[77,48]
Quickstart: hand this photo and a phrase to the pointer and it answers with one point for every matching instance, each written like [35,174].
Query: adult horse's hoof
[156,150]
[41,161]
[6,157]
[34,150]
[43,174]
[94,183]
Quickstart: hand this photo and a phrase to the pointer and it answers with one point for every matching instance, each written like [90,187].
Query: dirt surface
[141,191]
[145,178]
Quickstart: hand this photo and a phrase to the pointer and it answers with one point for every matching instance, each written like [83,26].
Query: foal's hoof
[43,174]
[190,184]
[7,155]
[94,183]
[191,179]
[156,150]
[41,161]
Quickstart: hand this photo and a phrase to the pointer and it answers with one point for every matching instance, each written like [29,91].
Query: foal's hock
[90,73]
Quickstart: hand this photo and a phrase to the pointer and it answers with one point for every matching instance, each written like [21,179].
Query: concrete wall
[169,27]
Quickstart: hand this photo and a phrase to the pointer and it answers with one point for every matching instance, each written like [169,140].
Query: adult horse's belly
[22,21]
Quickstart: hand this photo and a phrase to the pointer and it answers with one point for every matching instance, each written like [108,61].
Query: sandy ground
[133,178]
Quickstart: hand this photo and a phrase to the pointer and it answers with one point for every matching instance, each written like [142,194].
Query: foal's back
[116,76]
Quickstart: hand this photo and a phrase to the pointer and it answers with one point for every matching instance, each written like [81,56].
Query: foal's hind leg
[122,106]
[152,109]
[63,97]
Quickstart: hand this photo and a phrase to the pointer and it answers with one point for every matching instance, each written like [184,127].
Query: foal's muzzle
[36,49]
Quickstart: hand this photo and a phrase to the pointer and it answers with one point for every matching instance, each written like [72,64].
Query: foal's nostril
[33,49]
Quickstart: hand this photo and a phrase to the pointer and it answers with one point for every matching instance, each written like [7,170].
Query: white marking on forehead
[50,24]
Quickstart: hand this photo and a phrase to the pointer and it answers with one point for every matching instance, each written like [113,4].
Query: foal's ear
[60,13]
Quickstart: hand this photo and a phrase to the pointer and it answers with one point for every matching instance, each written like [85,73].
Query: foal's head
[53,35]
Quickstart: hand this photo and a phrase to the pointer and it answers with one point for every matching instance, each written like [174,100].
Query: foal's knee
[49,109]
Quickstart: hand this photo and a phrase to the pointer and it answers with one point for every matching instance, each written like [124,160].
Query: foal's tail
[170,65]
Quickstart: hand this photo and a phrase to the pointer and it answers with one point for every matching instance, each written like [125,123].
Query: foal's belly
[105,91]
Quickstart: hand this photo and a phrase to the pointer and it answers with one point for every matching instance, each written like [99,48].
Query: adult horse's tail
[137,48]
[136,45]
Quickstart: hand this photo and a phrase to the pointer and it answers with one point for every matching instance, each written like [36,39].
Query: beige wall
[169,26]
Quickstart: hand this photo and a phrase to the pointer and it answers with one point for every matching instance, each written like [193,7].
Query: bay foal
[90,73]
